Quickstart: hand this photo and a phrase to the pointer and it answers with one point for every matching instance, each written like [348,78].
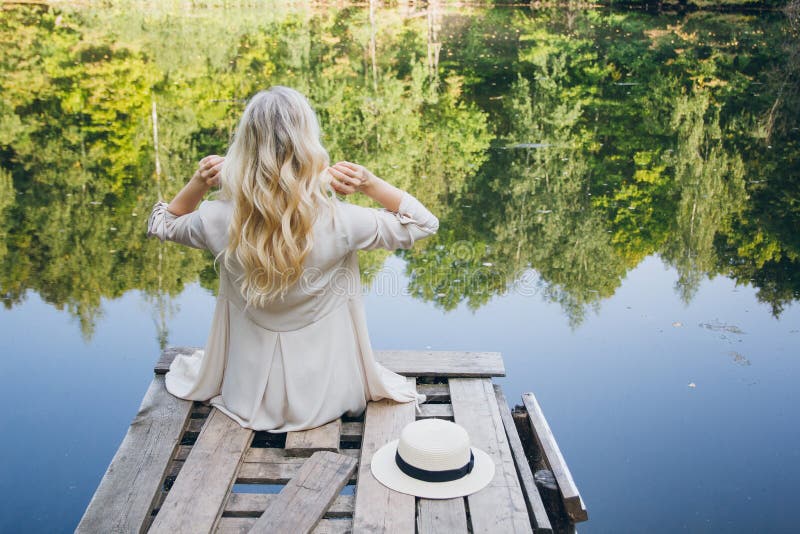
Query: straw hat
[432,459]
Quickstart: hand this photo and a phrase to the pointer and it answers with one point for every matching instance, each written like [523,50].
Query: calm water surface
[618,195]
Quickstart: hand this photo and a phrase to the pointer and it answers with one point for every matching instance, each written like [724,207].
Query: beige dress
[306,360]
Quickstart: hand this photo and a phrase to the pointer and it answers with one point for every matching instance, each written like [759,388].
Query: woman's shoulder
[215,208]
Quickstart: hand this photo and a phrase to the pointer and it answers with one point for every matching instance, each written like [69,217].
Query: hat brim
[385,470]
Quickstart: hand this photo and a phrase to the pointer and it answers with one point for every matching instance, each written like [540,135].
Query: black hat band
[434,476]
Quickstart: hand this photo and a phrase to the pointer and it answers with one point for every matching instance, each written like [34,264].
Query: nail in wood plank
[195,501]
[126,493]
[305,499]
[379,509]
[536,509]
[321,438]
[573,503]
[500,506]
[435,516]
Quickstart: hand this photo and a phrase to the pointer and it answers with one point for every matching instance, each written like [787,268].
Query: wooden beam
[500,506]
[536,509]
[442,363]
[404,362]
[241,525]
[134,478]
[573,503]
[196,499]
[273,466]
[254,504]
[168,354]
[379,509]
[442,515]
[305,499]
[321,438]
[435,392]
[435,410]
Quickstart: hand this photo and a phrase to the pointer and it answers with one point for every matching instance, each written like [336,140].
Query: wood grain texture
[321,438]
[436,516]
[273,466]
[435,410]
[435,392]
[196,499]
[442,363]
[536,509]
[500,506]
[168,354]
[305,499]
[127,491]
[573,503]
[254,504]
[241,525]
[379,509]
[404,362]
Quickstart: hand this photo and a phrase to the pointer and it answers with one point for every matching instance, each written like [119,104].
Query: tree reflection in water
[572,144]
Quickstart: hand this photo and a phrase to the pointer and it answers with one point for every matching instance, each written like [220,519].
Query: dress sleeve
[371,228]
[185,229]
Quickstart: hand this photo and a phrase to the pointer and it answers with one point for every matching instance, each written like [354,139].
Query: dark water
[619,196]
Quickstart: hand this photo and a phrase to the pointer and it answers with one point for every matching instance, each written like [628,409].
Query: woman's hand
[208,170]
[350,177]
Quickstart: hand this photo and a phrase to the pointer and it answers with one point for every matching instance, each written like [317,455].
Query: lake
[619,197]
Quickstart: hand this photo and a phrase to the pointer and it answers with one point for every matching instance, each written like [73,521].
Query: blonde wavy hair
[275,172]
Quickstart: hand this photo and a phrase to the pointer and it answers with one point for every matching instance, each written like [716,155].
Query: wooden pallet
[186,467]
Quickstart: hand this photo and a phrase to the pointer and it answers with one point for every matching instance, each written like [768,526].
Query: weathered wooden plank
[196,499]
[442,363]
[182,452]
[168,354]
[377,508]
[241,525]
[127,491]
[536,509]
[254,504]
[273,466]
[435,516]
[304,500]
[499,507]
[321,438]
[195,425]
[435,392]
[352,431]
[573,503]
[406,362]
[435,410]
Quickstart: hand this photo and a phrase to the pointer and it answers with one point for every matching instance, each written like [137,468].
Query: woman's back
[288,347]
[330,271]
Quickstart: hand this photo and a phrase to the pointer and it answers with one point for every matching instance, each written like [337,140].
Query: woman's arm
[404,222]
[180,221]
[205,177]
[349,178]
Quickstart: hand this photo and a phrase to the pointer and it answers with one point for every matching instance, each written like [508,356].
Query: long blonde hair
[275,173]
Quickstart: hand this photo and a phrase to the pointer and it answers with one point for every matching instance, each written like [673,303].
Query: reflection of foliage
[571,143]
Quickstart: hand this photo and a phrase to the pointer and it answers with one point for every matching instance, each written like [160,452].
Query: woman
[288,347]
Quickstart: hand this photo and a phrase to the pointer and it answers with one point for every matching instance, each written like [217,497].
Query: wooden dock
[186,467]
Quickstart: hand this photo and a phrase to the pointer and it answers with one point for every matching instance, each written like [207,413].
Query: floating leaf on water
[717,326]
[739,358]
